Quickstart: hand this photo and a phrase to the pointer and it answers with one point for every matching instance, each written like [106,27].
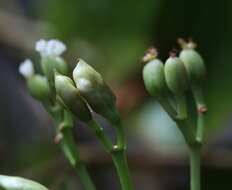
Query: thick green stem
[121,136]
[187,131]
[71,152]
[182,123]
[102,137]
[120,161]
[195,168]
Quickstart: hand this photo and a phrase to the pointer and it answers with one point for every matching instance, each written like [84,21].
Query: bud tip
[150,54]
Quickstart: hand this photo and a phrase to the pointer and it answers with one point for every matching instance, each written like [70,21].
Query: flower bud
[26,68]
[39,87]
[19,183]
[193,62]
[96,92]
[49,64]
[196,71]
[50,52]
[176,75]
[154,79]
[71,98]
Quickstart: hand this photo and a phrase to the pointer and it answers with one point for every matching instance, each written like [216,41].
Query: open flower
[26,68]
[51,48]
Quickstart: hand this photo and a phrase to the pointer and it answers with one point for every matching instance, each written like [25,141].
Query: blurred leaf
[18,183]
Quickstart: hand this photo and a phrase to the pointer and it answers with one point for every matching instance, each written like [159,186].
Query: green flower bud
[19,183]
[176,75]
[49,64]
[196,71]
[71,98]
[193,62]
[39,87]
[96,92]
[177,81]
[154,80]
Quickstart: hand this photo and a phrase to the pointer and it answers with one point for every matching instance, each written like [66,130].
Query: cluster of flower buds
[177,75]
[87,90]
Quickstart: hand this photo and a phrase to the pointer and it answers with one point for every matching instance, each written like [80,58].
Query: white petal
[55,47]
[26,68]
[40,46]
[50,48]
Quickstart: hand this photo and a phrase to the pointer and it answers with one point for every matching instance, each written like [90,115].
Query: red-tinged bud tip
[58,138]
[203,109]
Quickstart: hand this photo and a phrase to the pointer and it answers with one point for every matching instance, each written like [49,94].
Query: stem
[102,137]
[198,96]
[195,170]
[181,106]
[186,131]
[200,127]
[167,107]
[201,110]
[120,135]
[71,152]
[120,161]
[182,123]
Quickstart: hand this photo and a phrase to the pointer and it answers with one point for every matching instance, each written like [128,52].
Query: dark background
[112,36]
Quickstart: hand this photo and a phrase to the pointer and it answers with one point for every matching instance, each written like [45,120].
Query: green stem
[120,135]
[195,168]
[167,107]
[120,161]
[187,131]
[200,127]
[201,110]
[71,152]
[181,106]
[182,123]
[102,137]
[198,96]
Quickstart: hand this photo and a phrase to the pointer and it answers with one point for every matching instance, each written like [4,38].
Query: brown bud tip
[181,42]
[186,45]
[191,44]
[58,138]
[203,109]
[172,53]
[151,53]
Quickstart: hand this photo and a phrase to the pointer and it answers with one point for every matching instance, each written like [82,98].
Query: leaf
[19,183]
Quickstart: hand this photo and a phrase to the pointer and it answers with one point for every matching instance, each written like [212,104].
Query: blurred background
[112,36]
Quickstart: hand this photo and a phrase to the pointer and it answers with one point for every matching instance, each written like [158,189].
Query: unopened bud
[193,62]
[95,91]
[176,75]
[39,87]
[49,64]
[71,98]
[154,79]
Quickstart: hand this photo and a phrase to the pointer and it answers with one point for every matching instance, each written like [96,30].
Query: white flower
[26,68]
[51,48]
